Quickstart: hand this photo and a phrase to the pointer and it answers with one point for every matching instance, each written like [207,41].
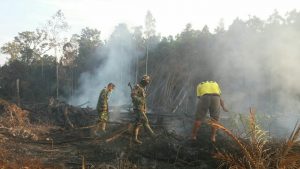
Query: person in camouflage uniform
[138,96]
[102,106]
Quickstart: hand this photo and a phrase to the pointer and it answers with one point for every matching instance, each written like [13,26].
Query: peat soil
[64,138]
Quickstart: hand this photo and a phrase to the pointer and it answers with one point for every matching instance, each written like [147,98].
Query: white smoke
[261,70]
[118,69]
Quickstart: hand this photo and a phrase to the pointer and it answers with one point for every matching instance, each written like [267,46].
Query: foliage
[258,151]
[30,46]
[176,64]
[89,42]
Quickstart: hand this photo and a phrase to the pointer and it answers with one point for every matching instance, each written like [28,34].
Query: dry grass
[11,160]
[12,115]
[15,121]
[24,163]
[257,151]
[289,158]
[120,164]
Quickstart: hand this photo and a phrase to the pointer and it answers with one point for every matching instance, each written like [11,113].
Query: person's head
[110,87]
[145,80]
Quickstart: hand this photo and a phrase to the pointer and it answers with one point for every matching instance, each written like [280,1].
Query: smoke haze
[261,70]
[255,62]
[118,69]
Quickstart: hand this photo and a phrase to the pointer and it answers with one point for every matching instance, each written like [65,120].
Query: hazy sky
[171,15]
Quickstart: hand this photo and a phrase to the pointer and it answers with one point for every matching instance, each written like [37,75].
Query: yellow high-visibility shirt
[208,87]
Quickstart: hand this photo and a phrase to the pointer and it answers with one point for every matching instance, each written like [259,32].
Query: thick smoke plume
[118,69]
[255,62]
[261,70]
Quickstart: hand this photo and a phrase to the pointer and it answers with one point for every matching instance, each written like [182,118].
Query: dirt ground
[67,148]
[50,139]
[60,136]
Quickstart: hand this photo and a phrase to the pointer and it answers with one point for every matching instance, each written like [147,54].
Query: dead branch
[66,111]
[118,133]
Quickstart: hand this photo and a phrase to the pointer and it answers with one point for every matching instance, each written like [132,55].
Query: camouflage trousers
[103,116]
[142,120]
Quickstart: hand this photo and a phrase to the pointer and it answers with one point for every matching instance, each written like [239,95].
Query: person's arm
[102,101]
[223,105]
[99,103]
[103,95]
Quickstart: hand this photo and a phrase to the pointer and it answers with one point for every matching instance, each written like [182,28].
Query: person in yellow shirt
[209,99]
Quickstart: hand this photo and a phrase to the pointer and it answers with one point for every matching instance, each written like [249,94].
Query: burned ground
[61,136]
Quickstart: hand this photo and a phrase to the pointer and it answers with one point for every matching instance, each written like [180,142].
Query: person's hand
[226,110]
[223,106]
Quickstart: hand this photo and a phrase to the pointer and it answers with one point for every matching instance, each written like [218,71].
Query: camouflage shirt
[138,96]
[102,105]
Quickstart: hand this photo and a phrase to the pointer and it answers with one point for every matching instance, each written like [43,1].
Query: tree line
[176,63]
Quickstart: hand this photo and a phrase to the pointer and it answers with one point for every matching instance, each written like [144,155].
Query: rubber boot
[136,133]
[103,126]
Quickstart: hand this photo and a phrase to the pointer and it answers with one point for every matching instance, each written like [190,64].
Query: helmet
[112,85]
[146,78]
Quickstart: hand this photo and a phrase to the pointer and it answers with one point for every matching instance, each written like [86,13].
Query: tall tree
[150,35]
[54,27]
[149,25]
[29,46]
[13,49]
[221,27]
[89,42]
[139,43]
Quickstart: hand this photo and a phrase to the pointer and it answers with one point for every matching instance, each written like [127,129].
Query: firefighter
[102,107]
[209,99]
[138,96]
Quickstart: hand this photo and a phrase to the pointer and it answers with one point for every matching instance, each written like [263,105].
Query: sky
[171,15]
